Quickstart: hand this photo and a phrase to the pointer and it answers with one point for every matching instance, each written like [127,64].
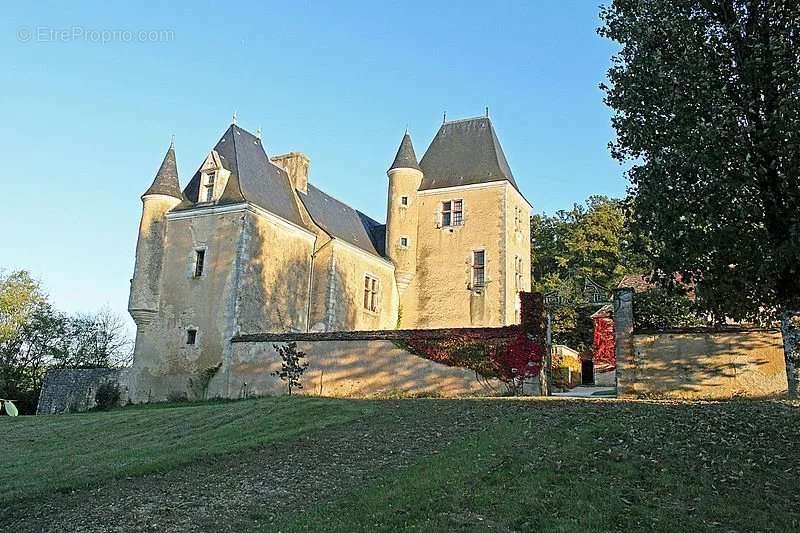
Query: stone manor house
[249,245]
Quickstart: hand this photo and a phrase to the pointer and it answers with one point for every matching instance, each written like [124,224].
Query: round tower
[162,196]
[402,214]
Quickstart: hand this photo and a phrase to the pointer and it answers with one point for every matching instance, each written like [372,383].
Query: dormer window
[208,187]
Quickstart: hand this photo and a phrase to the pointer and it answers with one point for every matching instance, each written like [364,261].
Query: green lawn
[43,454]
[420,465]
[584,466]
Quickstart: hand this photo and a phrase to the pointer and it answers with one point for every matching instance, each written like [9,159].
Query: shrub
[199,385]
[107,396]
[660,308]
[292,367]
[177,396]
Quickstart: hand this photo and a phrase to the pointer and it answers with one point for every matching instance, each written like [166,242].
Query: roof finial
[487,111]
[406,133]
[258,133]
[233,120]
[172,141]
[444,117]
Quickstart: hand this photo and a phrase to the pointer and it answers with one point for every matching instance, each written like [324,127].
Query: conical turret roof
[166,180]
[405,158]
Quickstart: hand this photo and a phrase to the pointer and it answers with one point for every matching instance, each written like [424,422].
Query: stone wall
[354,368]
[711,364]
[696,363]
[73,389]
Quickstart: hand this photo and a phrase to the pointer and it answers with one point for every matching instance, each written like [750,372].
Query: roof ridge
[469,119]
[236,160]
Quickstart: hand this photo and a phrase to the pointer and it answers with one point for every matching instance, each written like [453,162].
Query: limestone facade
[250,245]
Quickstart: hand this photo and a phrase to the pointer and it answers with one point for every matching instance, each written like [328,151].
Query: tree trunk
[790,328]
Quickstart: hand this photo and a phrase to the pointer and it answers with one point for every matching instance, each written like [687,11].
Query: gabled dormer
[213,179]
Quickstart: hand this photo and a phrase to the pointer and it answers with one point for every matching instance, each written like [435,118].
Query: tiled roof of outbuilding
[637,282]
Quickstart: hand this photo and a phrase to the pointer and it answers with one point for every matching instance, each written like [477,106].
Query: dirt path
[286,477]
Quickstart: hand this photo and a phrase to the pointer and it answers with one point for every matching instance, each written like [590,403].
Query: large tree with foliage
[706,100]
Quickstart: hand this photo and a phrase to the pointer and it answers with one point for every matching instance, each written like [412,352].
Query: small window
[403,242]
[191,336]
[458,215]
[478,268]
[370,293]
[518,273]
[452,213]
[199,262]
[404,201]
[208,189]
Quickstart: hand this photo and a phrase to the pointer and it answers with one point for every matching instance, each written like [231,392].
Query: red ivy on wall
[510,354]
[604,344]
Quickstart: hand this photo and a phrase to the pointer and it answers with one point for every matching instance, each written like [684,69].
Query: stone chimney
[295,164]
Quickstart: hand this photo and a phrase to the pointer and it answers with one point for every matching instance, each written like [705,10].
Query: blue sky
[84,123]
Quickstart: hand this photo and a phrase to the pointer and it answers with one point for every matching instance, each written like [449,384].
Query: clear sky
[85,123]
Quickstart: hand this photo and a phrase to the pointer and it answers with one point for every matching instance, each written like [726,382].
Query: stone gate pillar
[624,349]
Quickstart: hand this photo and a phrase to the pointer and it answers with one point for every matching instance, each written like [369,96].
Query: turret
[402,213]
[163,195]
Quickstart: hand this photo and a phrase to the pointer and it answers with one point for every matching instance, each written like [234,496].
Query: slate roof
[465,152]
[254,178]
[166,180]
[405,158]
[343,222]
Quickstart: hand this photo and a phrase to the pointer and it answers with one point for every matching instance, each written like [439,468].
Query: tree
[292,366]
[660,308]
[29,329]
[94,340]
[586,241]
[706,100]
[591,241]
[34,336]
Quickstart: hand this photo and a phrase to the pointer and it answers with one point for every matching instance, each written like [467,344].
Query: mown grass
[502,464]
[57,453]
[590,466]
